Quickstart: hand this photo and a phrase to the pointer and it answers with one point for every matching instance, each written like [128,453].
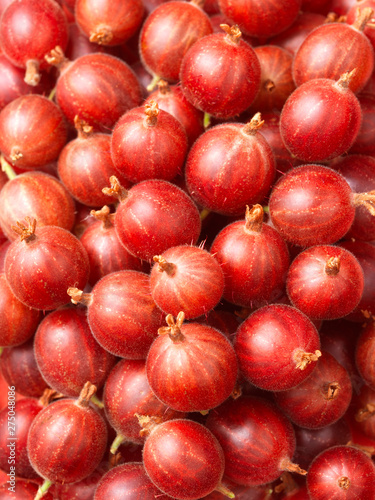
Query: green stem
[43,489]
[205,212]
[94,399]
[52,94]
[151,86]
[119,439]
[266,209]
[5,167]
[224,491]
[206,120]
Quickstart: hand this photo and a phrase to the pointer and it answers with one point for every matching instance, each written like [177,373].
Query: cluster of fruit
[187,259]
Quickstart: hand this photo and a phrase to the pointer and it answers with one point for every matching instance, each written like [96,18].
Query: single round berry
[277,347]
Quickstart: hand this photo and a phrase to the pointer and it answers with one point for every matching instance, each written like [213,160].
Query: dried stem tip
[32,75]
[164,87]
[174,327]
[363,16]
[86,394]
[147,423]
[56,57]
[254,218]
[332,266]
[165,266]
[345,79]
[254,125]
[151,111]
[343,482]
[366,200]
[15,154]
[332,17]
[237,391]
[83,128]
[365,413]
[104,215]
[291,467]
[303,359]
[269,85]
[49,395]
[114,459]
[102,35]
[25,229]
[233,32]
[287,484]
[331,390]
[78,296]
[116,190]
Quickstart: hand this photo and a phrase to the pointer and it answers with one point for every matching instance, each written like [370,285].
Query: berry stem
[151,86]
[7,168]
[86,394]
[233,32]
[254,125]
[84,130]
[365,413]
[165,266]
[334,18]
[237,391]
[116,189]
[346,78]
[15,154]
[369,450]
[332,266]
[26,230]
[52,94]
[366,200]
[254,218]
[96,401]
[56,57]
[204,213]
[224,491]
[32,76]
[291,467]
[77,296]
[331,390]
[43,489]
[151,112]
[117,442]
[198,3]
[206,120]
[48,396]
[114,460]
[102,35]
[362,18]
[303,359]
[105,216]
[287,485]
[269,85]
[343,482]
[164,87]
[174,327]
[147,423]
